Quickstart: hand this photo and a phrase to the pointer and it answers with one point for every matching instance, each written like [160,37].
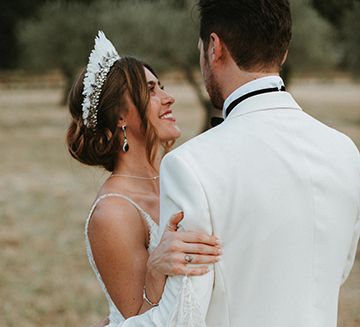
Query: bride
[121,120]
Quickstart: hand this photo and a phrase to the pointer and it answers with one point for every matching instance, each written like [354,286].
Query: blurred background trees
[58,37]
[10,15]
[344,16]
[42,35]
[351,29]
[313,46]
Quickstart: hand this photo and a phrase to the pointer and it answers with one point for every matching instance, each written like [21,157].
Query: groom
[281,189]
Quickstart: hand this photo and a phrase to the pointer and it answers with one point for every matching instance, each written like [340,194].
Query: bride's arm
[185,300]
[118,242]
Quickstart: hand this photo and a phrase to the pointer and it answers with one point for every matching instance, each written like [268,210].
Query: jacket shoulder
[198,143]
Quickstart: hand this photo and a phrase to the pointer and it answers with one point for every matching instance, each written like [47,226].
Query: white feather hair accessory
[101,59]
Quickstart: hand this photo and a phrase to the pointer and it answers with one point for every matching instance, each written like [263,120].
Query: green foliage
[162,34]
[352,39]
[61,37]
[159,32]
[313,45]
[10,14]
[333,10]
[344,16]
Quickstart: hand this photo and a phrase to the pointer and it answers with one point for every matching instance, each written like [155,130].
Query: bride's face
[161,114]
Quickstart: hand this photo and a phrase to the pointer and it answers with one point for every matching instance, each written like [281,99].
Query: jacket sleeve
[185,299]
[353,249]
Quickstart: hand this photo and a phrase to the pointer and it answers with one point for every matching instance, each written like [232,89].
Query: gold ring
[171,228]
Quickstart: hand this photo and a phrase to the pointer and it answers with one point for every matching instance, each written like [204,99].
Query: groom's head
[251,36]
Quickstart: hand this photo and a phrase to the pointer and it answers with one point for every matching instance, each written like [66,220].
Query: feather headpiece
[101,59]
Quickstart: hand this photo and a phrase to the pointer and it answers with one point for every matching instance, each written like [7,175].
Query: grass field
[45,279]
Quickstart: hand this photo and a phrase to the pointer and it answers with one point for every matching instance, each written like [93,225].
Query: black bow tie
[218,120]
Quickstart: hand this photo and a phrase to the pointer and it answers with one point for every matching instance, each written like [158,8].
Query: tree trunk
[69,79]
[205,102]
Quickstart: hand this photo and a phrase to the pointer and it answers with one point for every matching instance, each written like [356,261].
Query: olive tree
[60,37]
[162,32]
[344,15]
[313,47]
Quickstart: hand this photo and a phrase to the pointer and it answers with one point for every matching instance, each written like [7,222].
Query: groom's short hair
[257,33]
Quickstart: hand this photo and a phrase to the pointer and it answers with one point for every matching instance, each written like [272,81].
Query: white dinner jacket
[282,191]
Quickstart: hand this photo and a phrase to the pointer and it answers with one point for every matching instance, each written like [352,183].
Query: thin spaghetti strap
[89,250]
[153,232]
[107,195]
[143,213]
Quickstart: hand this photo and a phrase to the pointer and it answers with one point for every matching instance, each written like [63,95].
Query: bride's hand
[177,249]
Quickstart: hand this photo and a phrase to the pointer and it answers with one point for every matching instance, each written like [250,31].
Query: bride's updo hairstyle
[125,81]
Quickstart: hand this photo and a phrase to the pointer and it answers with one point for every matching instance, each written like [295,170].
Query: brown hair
[257,33]
[100,147]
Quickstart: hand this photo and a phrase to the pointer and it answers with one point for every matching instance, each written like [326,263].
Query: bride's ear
[121,122]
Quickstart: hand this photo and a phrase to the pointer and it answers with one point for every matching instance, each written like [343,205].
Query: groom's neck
[233,77]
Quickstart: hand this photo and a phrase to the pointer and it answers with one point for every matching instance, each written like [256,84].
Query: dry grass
[45,279]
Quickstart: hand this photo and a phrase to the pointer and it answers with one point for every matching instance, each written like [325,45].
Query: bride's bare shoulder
[115,217]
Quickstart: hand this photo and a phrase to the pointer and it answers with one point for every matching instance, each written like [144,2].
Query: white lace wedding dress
[187,312]
[115,316]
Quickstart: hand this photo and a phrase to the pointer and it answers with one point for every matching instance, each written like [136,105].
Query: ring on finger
[171,228]
[188,258]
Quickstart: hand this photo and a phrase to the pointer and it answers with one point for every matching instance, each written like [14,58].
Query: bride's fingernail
[218,241]
[220,251]
[218,258]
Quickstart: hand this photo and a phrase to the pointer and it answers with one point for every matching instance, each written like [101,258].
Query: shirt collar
[257,84]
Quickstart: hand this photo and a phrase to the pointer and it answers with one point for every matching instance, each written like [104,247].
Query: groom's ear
[285,57]
[216,48]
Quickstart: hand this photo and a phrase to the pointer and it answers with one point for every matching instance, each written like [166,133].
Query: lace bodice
[115,316]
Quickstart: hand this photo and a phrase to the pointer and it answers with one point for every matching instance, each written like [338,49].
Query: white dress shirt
[255,85]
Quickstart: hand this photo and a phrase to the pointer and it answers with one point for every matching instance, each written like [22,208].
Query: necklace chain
[136,177]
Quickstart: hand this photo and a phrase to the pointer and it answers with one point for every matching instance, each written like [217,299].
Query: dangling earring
[125,146]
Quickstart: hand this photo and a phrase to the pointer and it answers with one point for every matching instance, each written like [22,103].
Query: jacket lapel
[269,101]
